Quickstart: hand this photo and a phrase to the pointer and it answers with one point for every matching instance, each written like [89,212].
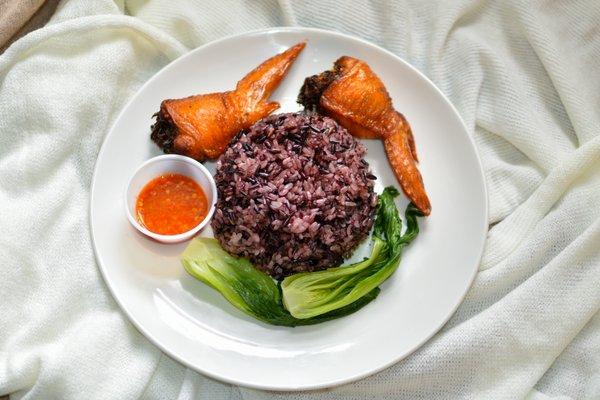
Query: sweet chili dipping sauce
[171,204]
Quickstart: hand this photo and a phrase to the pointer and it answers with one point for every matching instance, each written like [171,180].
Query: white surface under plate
[192,323]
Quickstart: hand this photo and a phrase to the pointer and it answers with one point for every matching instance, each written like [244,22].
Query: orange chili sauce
[171,204]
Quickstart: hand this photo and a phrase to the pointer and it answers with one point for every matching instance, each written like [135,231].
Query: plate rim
[331,383]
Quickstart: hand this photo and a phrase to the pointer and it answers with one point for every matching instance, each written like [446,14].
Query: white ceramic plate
[196,326]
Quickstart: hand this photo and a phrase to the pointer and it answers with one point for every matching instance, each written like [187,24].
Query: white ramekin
[170,163]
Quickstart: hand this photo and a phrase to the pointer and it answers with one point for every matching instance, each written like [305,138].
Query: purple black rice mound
[295,194]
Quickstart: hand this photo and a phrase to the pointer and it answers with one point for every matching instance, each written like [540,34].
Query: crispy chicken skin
[353,95]
[201,126]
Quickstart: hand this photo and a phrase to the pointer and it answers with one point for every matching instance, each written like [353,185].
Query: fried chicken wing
[201,126]
[353,95]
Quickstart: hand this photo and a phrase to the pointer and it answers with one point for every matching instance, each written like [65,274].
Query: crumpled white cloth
[524,76]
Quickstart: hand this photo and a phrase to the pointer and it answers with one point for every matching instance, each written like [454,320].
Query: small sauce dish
[166,165]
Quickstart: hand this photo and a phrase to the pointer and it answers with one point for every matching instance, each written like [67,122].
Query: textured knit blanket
[525,77]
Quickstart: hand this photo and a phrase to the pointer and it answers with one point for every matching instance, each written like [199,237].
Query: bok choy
[308,294]
[247,288]
[312,297]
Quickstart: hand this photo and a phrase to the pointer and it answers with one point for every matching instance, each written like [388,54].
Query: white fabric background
[525,78]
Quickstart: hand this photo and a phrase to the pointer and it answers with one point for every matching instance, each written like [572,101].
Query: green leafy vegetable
[314,297]
[308,294]
[247,288]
